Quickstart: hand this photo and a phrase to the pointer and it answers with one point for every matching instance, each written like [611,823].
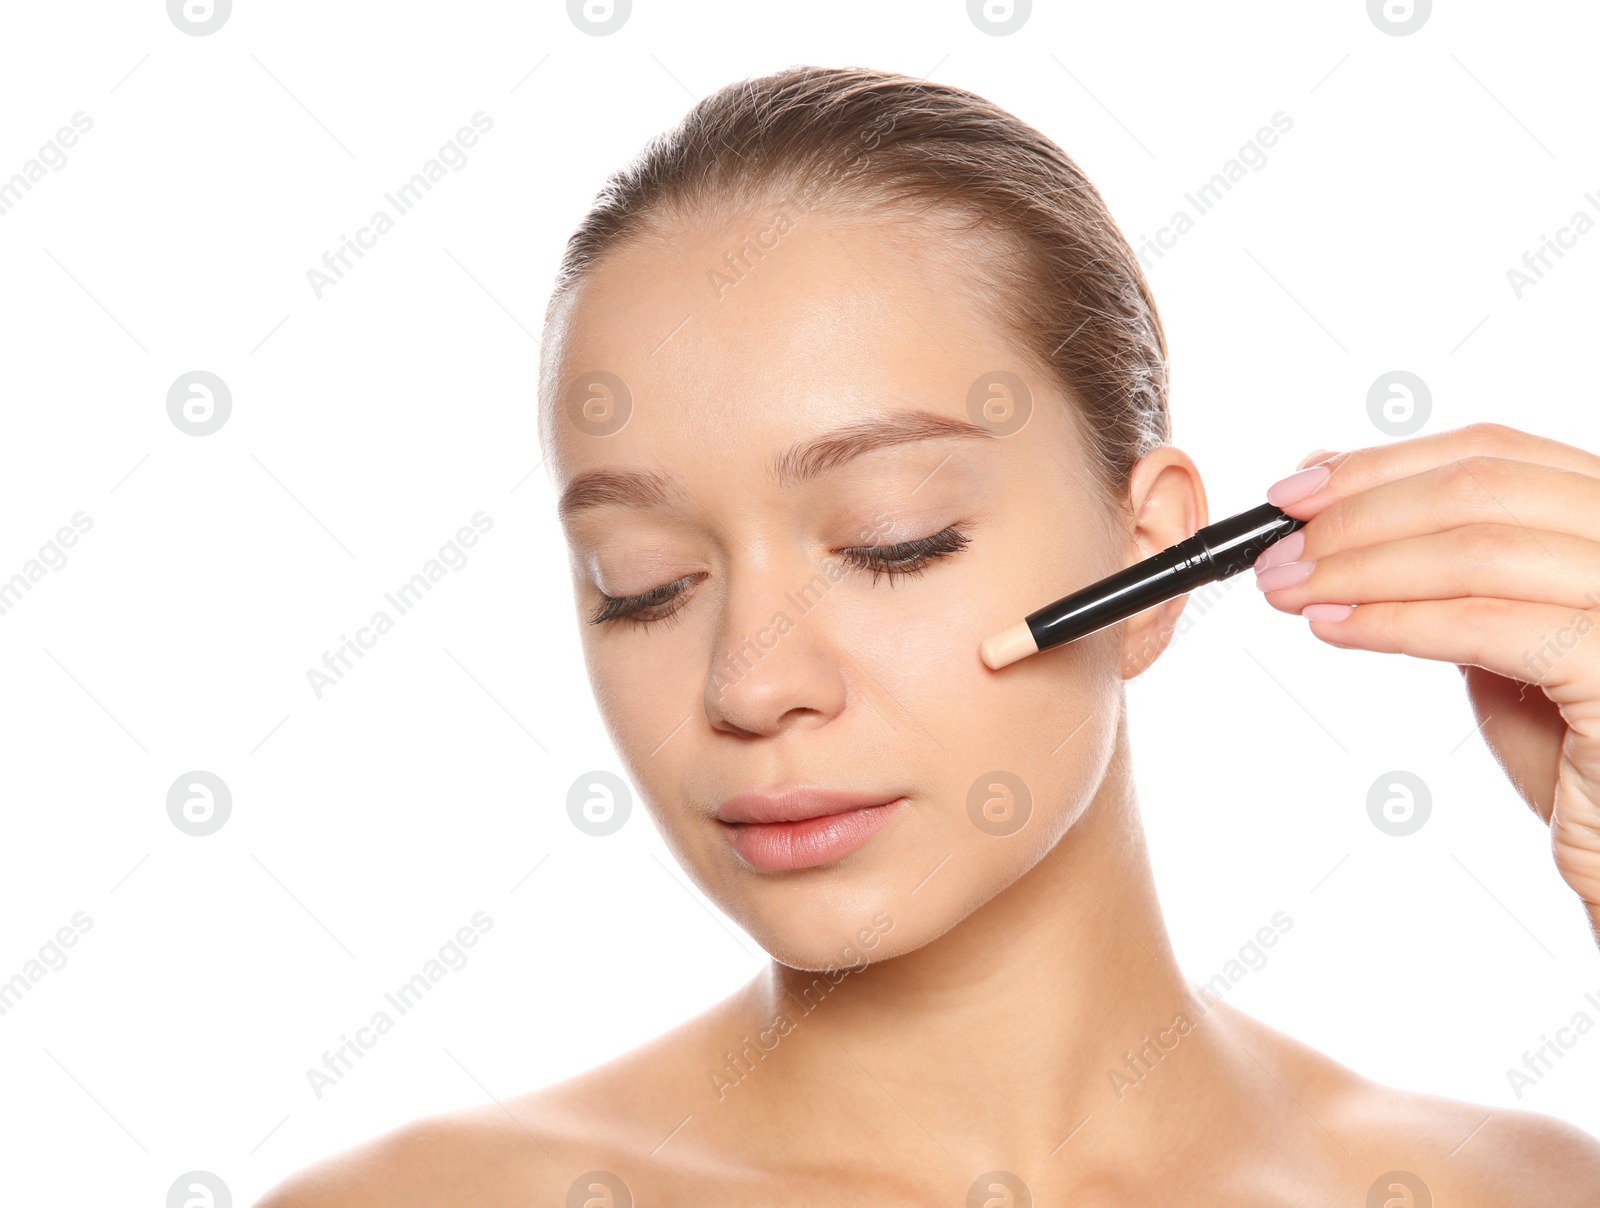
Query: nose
[775,664]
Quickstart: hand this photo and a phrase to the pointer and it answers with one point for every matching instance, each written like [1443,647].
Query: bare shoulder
[1463,1153]
[1472,1154]
[531,1147]
[452,1158]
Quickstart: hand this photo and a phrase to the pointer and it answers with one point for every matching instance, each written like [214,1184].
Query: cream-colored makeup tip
[1008,646]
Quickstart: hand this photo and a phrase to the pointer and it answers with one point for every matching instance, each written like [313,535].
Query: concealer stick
[1214,552]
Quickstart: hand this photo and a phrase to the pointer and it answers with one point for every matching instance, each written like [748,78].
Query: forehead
[756,330]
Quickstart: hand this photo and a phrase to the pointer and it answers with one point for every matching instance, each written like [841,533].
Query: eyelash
[904,558]
[908,557]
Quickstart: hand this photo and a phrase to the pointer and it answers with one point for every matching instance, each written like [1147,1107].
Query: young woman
[844,374]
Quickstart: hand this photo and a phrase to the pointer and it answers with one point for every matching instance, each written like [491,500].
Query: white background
[369,425]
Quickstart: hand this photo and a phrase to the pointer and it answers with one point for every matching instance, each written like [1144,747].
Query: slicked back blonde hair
[1066,284]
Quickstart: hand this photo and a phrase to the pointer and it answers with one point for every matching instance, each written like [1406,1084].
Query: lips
[802,827]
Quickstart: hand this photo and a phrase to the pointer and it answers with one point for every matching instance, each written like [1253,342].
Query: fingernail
[1319,455]
[1284,549]
[1297,486]
[1327,612]
[1278,577]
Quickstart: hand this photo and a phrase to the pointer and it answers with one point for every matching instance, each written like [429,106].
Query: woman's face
[791,405]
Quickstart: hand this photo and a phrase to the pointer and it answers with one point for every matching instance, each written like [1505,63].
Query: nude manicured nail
[1297,486]
[1319,455]
[1285,549]
[1327,612]
[1287,575]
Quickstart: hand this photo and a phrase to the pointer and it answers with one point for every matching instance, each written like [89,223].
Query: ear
[1168,503]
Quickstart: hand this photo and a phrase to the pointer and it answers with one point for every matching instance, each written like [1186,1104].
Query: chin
[836,946]
[860,911]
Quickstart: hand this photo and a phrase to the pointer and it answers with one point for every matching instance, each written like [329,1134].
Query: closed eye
[908,557]
[644,609]
[903,558]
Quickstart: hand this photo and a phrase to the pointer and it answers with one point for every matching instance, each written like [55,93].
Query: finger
[1504,561]
[1545,644]
[1524,731]
[1474,490]
[1361,469]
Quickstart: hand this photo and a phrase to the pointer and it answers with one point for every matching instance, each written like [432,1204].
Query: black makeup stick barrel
[1214,552]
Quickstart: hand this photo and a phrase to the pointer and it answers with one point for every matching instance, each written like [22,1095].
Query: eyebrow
[799,463]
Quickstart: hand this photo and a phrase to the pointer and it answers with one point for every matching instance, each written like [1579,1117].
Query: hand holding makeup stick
[1479,547]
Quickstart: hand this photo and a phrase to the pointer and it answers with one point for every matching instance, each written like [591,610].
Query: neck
[1054,1006]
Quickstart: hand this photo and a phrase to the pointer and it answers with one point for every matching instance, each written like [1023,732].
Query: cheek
[644,688]
[1055,722]
[1046,723]
[1020,756]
